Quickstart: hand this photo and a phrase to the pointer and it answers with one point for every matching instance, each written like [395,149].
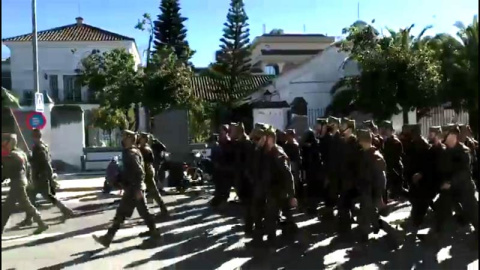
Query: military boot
[26,222]
[150,233]
[41,224]
[41,227]
[104,240]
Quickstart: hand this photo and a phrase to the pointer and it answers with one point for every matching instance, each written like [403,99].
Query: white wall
[68,142]
[313,80]
[55,58]
[275,117]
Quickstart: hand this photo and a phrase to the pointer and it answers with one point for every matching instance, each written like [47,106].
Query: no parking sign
[36,120]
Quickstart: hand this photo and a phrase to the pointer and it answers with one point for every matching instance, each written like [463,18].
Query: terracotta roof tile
[72,32]
[212,89]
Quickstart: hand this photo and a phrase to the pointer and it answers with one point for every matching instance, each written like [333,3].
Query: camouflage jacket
[16,168]
[133,173]
[40,161]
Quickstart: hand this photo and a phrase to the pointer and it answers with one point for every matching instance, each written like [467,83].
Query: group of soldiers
[335,164]
[338,165]
[29,176]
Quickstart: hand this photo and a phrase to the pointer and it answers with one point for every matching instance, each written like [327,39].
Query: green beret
[322,121]
[386,124]
[364,135]
[333,120]
[435,129]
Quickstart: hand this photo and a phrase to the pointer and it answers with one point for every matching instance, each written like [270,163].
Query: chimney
[79,20]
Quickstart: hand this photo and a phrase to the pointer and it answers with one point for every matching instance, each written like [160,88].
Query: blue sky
[206,17]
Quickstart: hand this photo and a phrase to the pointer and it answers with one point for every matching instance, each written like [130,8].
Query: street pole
[35,47]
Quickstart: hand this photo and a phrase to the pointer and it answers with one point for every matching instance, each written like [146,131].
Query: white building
[313,81]
[60,51]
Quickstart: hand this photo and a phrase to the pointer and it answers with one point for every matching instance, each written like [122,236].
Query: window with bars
[53,83]
[72,90]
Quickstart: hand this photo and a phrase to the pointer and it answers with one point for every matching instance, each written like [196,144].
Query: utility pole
[35,47]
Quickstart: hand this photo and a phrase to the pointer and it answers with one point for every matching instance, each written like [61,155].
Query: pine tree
[169,30]
[234,58]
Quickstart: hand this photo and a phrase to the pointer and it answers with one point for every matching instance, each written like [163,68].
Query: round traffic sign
[36,120]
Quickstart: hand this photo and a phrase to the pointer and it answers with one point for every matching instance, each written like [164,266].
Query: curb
[73,189]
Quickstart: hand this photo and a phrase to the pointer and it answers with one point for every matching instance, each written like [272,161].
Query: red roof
[72,32]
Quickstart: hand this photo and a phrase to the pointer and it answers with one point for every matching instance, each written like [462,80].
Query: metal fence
[440,116]
[313,114]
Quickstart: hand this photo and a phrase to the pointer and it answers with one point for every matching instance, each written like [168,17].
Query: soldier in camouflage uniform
[377,140]
[426,187]
[348,174]
[310,163]
[133,177]
[456,187]
[392,152]
[371,185]
[15,167]
[292,149]
[275,186]
[42,177]
[332,163]
[148,159]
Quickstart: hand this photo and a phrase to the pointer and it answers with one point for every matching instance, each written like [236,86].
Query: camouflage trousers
[18,194]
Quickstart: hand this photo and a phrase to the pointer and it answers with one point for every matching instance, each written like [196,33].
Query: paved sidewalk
[75,185]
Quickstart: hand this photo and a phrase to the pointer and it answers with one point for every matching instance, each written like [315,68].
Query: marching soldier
[148,159]
[348,173]
[310,163]
[426,187]
[223,172]
[158,148]
[332,165]
[15,168]
[377,140]
[275,187]
[392,152]
[133,176]
[456,186]
[253,165]
[281,137]
[371,185]
[42,177]
[240,145]
[324,138]
[292,149]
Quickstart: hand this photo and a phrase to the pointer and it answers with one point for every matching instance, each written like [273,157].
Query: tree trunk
[405,117]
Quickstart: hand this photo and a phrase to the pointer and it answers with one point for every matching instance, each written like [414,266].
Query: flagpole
[35,47]
[19,130]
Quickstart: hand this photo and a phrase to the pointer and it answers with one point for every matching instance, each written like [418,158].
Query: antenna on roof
[78,7]
[358,10]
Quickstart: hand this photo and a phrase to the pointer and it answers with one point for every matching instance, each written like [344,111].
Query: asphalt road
[195,237]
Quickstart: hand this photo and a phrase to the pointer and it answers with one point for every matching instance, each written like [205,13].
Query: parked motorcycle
[177,173]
